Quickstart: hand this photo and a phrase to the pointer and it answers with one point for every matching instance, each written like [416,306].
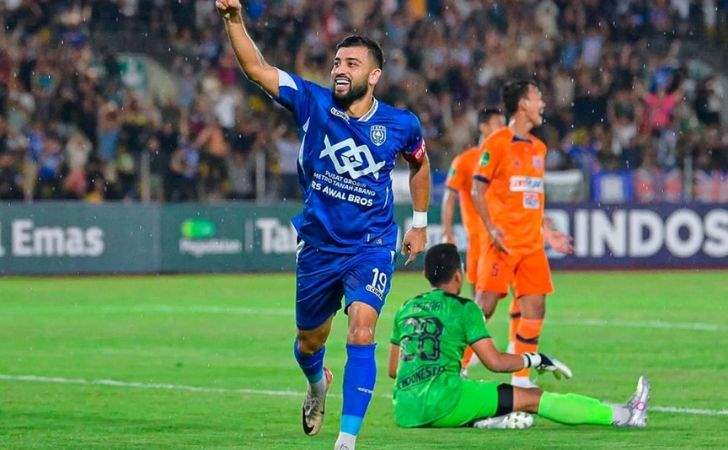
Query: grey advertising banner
[230,237]
[68,238]
[75,238]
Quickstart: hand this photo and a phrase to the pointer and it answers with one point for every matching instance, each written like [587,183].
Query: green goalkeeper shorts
[479,400]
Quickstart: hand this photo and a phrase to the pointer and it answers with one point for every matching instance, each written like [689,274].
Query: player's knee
[360,335]
[535,310]
[526,399]
[309,343]
[487,303]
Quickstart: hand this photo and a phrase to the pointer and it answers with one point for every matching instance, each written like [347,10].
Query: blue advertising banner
[654,236]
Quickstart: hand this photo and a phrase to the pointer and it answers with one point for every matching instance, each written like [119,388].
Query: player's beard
[356,91]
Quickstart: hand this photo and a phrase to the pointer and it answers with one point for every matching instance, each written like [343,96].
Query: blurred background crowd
[143,99]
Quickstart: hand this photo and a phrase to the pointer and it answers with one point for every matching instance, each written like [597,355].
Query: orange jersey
[460,179]
[514,168]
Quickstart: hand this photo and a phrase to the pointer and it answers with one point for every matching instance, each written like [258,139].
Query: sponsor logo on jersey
[340,114]
[526,184]
[353,160]
[484,159]
[378,134]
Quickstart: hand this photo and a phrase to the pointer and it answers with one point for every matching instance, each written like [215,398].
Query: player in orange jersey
[459,187]
[510,182]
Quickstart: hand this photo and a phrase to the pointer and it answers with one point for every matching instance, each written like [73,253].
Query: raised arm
[249,57]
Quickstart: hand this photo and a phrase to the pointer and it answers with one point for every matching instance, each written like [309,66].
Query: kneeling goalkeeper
[429,336]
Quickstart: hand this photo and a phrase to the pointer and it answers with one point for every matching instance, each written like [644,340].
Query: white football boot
[312,412]
[638,404]
[516,420]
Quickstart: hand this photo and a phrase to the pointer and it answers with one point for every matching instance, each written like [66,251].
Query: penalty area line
[268,392]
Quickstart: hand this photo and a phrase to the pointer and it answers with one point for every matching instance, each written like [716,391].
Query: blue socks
[311,365]
[360,374]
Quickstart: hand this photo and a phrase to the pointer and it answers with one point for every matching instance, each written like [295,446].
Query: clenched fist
[228,8]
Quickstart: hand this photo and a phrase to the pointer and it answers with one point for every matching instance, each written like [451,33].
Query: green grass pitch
[205,361]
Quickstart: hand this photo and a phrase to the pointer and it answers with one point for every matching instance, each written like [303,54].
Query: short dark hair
[442,261]
[513,92]
[484,115]
[356,40]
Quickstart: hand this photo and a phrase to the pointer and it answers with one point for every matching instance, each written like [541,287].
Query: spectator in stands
[288,146]
[11,181]
[60,71]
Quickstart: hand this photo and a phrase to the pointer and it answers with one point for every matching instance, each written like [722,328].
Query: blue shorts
[323,278]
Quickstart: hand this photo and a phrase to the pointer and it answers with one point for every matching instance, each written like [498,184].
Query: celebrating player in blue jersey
[350,142]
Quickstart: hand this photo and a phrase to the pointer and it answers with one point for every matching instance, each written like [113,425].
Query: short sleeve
[414,145]
[474,323]
[396,331]
[456,175]
[295,94]
[489,160]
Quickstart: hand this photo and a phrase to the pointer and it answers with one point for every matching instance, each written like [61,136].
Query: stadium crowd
[622,92]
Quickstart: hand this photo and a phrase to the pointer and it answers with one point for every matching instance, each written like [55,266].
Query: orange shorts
[528,274]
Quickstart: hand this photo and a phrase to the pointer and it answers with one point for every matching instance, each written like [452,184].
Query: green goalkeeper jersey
[432,331]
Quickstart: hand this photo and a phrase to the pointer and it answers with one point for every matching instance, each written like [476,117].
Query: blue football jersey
[344,166]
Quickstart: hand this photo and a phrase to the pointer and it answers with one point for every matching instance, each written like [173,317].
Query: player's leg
[360,371]
[514,313]
[484,404]
[493,277]
[309,349]
[472,256]
[319,289]
[575,409]
[533,282]
[366,283]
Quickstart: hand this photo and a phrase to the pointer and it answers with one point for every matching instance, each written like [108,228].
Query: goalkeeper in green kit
[429,336]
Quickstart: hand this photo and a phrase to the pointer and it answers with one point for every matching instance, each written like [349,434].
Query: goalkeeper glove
[543,363]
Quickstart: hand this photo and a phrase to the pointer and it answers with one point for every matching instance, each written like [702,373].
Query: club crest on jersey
[353,160]
[537,162]
[378,134]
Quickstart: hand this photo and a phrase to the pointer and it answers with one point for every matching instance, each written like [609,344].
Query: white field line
[269,392]
[649,324]
[288,312]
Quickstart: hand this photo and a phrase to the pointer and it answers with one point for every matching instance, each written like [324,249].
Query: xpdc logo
[356,161]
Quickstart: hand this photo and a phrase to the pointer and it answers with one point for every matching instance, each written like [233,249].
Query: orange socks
[467,355]
[526,339]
